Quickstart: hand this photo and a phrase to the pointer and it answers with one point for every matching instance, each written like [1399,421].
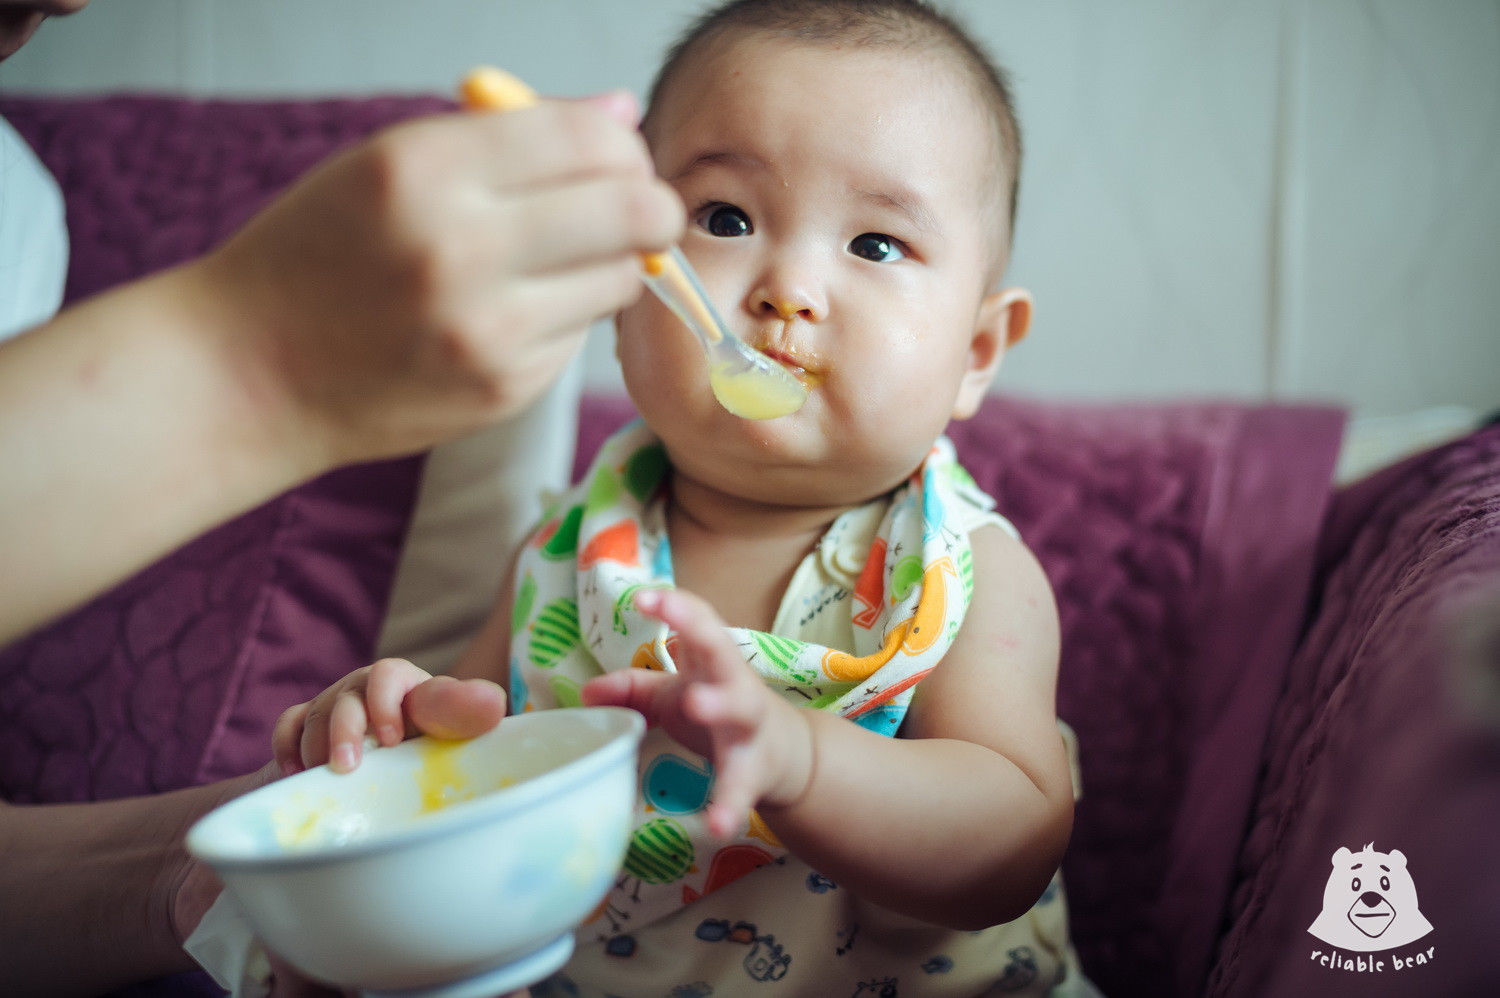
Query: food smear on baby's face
[752,395]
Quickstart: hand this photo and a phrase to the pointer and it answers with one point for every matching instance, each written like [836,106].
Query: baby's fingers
[734,792]
[390,680]
[642,690]
[706,652]
[347,724]
[286,738]
[730,714]
[445,707]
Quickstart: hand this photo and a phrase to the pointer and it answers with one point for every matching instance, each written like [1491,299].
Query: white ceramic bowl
[386,880]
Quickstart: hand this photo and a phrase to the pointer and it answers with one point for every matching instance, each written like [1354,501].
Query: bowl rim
[455,818]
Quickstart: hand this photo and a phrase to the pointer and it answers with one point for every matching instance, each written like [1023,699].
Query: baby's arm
[964,818]
[394,700]
[960,821]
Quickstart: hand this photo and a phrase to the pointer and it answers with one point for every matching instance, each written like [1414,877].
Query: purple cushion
[175,676]
[1389,734]
[154,181]
[1179,540]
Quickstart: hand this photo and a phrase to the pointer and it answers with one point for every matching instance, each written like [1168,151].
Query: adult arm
[435,278]
[100,895]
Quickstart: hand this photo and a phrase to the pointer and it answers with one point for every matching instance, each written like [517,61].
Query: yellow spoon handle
[491,89]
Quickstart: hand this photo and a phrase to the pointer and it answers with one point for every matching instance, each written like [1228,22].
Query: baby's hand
[716,705]
[392,699]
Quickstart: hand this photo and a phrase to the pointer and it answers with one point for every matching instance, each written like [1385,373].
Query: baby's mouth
[799,368]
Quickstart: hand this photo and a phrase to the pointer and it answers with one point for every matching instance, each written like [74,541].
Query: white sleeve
[479,497]
[33,237]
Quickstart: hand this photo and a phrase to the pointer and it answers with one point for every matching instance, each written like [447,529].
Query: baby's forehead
[744,48]
[742,67]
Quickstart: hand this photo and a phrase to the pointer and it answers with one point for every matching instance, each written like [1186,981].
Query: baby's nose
[788,309]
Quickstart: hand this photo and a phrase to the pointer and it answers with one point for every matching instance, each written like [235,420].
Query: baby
[855,781]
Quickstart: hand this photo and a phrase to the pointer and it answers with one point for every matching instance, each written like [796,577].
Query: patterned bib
[574,618]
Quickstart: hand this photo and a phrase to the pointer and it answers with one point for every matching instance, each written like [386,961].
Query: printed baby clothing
[868,614]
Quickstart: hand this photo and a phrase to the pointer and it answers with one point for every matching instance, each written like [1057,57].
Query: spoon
[745,381]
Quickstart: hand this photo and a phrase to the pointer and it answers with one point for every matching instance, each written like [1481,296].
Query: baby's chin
[816,478]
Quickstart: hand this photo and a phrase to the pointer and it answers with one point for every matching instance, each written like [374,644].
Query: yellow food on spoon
[751,395]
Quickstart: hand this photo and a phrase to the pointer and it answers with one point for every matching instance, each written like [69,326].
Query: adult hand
[191,886]
[440,275]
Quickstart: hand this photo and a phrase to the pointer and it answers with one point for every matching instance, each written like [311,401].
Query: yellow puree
[751,395]
[440,780]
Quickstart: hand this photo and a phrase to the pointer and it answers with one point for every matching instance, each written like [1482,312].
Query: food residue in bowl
[299,824]
[440,779]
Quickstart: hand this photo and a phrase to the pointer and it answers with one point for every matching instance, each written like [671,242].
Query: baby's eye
[724,220]
[877,247]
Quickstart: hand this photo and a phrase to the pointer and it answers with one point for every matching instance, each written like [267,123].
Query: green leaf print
[627,601]
[826,700]
[565,692]
[783,653]
[554,633]
[959,476]
[644,471]
[907,573]
[520,610]
[563,543]
[604,490]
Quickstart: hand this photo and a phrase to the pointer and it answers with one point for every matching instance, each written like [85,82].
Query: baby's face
[836,200]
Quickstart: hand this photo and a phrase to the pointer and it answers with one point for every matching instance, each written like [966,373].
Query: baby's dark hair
[891,23]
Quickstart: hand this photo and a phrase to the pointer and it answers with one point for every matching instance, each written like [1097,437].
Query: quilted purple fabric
[1388,734]
[173,677]
[1179,540]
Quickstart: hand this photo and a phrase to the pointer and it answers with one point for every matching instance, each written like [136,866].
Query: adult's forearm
[939,829]
[92,895]
[128,425]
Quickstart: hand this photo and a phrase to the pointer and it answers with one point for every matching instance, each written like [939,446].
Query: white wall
[1257,199]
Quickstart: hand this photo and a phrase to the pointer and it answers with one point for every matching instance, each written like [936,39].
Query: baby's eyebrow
[906,204]
[724,158]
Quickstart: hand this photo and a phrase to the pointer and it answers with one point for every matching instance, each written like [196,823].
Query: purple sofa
[1261,669]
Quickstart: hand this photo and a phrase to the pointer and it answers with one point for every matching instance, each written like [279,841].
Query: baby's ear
[1004,317]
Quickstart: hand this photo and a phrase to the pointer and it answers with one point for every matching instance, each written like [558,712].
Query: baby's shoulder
[1005,569]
